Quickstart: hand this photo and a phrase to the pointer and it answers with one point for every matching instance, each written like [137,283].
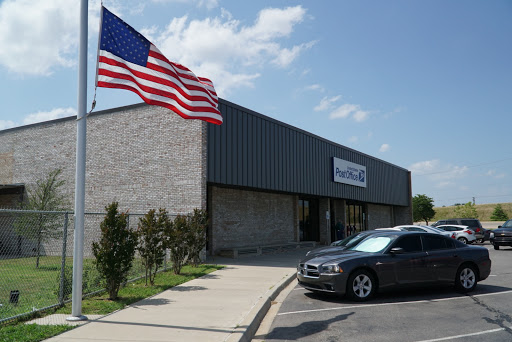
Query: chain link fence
[36,260]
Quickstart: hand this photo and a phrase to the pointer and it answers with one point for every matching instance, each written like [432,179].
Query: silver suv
[473,224]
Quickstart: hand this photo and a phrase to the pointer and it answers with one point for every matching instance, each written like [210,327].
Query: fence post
[63,261]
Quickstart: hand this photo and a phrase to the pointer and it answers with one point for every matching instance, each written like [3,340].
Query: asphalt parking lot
[430,314]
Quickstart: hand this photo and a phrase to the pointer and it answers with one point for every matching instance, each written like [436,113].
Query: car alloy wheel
[463,240]
[466,278]
[361,286]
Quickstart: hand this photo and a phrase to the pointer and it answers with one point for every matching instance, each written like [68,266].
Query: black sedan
[392,259]
[340,245]
[502,236]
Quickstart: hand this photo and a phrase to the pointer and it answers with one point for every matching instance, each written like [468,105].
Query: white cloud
[353,139]
[209,4]
[493,173]
[438,172]
[315,87]
[56,113]
[223,50]
[384,148]
[41,116]
[4,124]
[326,103]
[36,37]
[348,110]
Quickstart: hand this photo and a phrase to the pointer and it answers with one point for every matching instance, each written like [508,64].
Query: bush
[176,235]
[115,251]
[151,244]
[196,235]
[499,214]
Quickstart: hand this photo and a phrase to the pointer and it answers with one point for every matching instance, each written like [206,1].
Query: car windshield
[350,240]
[373,244]
[507,224]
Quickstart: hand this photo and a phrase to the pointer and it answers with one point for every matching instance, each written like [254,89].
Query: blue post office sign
[348,173]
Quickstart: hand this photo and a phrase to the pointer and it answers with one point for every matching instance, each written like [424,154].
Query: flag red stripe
[158,80]
[158,103]
[159,92]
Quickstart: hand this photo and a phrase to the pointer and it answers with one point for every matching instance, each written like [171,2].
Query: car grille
[499,238]
[309,270]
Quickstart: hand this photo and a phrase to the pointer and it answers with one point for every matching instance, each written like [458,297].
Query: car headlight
[491,235]
[331,269]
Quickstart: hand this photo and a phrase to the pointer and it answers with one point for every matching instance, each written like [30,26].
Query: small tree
[467,210]
[176,235]
[196,235]
[422,208]
[115,251]
[45,195]
[151,244]
[499,214]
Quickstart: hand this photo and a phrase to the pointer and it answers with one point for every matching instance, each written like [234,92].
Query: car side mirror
[397,250]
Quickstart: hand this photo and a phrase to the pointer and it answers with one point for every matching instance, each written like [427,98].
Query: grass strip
[31,332]
[101,305]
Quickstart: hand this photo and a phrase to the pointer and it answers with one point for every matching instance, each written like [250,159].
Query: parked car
[462,233]
[390,259]
[425,229]
[473,224]
[502,236]
[341,244]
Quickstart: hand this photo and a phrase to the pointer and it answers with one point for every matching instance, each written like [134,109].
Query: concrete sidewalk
[226,305]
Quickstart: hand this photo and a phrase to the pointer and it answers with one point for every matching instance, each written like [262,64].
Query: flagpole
[81,132]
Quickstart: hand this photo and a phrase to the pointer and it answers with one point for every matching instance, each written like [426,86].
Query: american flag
[127,60]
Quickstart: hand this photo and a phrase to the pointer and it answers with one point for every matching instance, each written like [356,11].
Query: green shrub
[499,214]
[151,244]
[196,235]
[176,235]
[115,251]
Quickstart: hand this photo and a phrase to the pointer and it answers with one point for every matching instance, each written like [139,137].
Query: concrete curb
[249,325]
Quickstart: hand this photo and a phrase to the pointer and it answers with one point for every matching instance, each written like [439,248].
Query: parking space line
[388,304]
[462,336]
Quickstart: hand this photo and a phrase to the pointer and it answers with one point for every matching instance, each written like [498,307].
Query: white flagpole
[81,132]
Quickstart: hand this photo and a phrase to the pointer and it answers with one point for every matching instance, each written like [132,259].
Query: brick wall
[250,218]
[141,156]
[380,216]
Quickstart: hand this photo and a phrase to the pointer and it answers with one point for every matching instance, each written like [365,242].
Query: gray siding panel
[250,150]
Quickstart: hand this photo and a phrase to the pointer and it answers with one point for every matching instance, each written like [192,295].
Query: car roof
[453,225]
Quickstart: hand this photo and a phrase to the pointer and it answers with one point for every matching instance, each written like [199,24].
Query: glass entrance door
[309,227]
[356,218]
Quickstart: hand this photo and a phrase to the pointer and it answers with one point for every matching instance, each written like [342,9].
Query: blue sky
[425,85]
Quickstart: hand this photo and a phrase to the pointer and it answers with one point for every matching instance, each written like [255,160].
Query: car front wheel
[361,286]
[463,240]
[465,280]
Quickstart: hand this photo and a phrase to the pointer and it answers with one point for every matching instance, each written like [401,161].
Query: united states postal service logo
[348,172]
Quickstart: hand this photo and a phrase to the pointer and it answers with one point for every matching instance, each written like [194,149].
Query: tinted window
[411,243]
[415,229]
[507,224]
[451,222]
[471,223]
[433,243]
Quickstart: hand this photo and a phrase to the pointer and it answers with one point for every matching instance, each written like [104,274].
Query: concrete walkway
[226,305]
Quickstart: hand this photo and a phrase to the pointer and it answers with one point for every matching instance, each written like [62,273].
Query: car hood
[325,250]
[338,257]
[502,232]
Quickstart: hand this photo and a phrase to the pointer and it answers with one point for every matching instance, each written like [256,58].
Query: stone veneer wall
[380,216]
[142,156]
[250,218]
